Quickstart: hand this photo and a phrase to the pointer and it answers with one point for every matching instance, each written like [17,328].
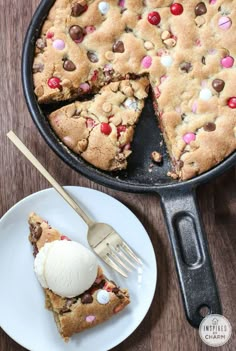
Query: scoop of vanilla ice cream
[66,267]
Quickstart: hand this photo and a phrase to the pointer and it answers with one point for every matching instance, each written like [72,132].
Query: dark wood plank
[165,327]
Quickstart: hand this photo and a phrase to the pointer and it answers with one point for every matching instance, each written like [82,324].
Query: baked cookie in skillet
[186,50]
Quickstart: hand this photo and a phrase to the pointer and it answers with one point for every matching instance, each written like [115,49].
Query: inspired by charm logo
[215,330]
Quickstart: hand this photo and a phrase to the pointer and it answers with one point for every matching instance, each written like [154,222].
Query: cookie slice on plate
[101,130]
[76,289]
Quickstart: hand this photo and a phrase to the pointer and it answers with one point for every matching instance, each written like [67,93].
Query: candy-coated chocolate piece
[69,66]
[200,9]
[188,137]
[218,85]
[58,44]
[103,297]
[166,60]
[105,128]
[232,102]
[227,61]
[49,35]
[103,7]
[146,62]
[85,87]
[176,9]
[54,83]
[154,18]
[76,32]
[205,94]
[78,9]
[90,319]
[224,23]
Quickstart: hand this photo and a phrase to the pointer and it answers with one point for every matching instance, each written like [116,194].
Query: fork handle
[27,153]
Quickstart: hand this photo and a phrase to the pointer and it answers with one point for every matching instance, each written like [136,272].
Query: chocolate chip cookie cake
[113,50]
[76,289]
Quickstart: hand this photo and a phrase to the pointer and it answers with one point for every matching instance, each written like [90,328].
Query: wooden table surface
[165,327]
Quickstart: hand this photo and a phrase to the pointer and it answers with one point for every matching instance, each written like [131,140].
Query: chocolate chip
[218,85]
[41,43]
[118,47]
[203,60]
[186,67]
[115,290]
[92,56]
[78,9]
[209,127]
[36,232]
[128,30]
[76,32]
[68,65]
[86,298]
[38,67]
[121,296]
[200,9]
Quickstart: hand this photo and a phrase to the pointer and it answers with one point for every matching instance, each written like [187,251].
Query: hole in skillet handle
[204,311]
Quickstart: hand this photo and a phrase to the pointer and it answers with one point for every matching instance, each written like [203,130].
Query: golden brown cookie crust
[71,315]
[187,54]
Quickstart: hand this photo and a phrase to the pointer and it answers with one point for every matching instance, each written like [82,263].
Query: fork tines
[117,254]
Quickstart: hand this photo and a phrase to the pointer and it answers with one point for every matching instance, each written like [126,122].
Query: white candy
[205,94]
[103,297]
[103,7]
[166,60]
[131,104]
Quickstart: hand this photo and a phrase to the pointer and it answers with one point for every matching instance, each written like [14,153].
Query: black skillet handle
[192,258]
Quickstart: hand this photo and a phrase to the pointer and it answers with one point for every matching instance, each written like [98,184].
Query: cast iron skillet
[178,199]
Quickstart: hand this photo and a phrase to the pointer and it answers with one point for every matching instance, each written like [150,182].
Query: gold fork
[102,238]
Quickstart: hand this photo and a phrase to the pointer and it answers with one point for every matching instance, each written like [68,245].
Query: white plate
[22,312]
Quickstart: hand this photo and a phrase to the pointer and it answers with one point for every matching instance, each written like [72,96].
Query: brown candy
[76,32]
[92,56]
[118,47]
[41,43]
[200,9]
[209,127]
[186,66]
[78,9]
[218,85]
[86,298]
[68,65]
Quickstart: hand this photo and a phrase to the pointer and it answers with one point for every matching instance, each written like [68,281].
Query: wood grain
[165,327]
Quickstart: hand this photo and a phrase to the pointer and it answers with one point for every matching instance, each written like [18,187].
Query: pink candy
[188,137]
[90,319]
[224,23]
[58,44]
[90,29]
[227,61]
[146,61]
[85,87]
[122,3]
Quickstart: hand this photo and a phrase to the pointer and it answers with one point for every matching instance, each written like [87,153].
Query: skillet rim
[81,166]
